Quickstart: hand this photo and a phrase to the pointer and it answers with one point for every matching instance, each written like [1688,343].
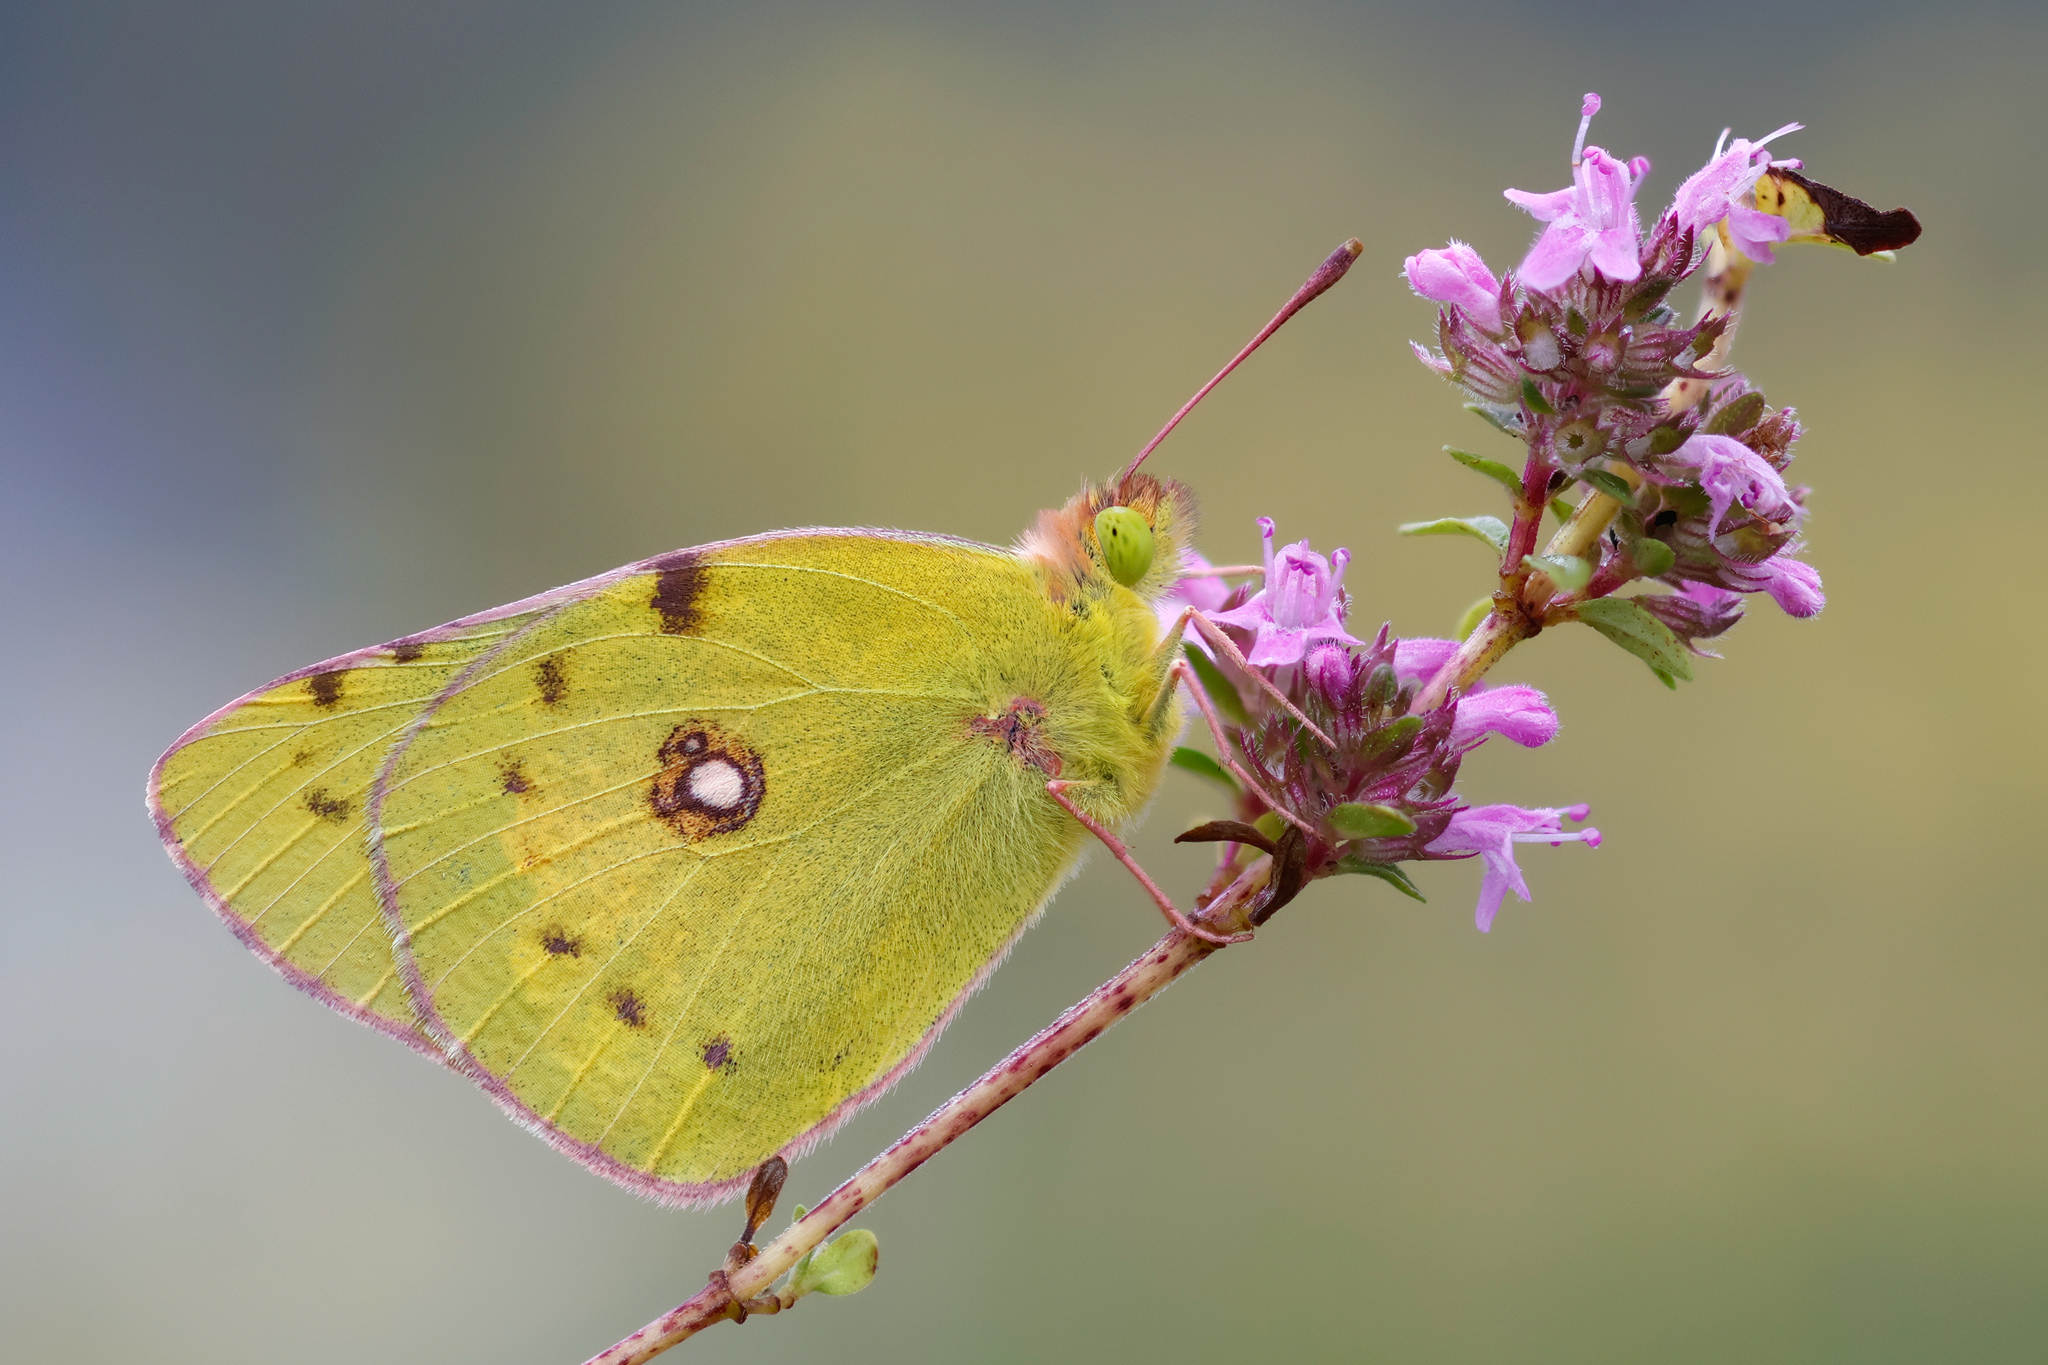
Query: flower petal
[1517,712]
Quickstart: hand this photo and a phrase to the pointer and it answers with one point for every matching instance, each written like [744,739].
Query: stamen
[1589,107]
[1340,560]
[1266,535]
[1788,128]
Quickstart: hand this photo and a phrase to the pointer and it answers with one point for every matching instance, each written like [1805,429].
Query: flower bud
[840,1267]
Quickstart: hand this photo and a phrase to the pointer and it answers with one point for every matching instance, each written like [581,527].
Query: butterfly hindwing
[264,807]
[695,865]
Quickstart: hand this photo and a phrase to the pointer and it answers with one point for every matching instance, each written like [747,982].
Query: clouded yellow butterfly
[687,862]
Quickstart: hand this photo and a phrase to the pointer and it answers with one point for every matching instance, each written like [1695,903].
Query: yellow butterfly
[687,862]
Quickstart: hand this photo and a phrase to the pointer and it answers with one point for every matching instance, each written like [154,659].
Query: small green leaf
[1492,469]
[1738,416]
[1396,738]
[1386,872]
[1474,614]
[1357,820]
[1664,440]
[1569,572]
[1613,485]
[1561,509]
[1533,399]
[1201,765]
[1641,634]
[1506,421]
[843,1266]
[1653,558]
[1492,530]
[1217,686]
[1271,825]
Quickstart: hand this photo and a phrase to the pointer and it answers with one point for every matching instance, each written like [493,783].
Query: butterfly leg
[1058,791]
[1183,672]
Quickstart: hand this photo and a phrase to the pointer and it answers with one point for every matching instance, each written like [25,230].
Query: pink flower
[1794,585]
[1731,474]
[1724,188]
[1456,276]
[1419,659]
[1592,220]
[1492,832]
[1302,603]
[1516,711]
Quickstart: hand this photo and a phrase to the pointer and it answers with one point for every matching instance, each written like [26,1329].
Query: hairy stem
[725,1296]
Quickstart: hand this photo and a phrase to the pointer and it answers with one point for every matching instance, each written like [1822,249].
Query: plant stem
[1073,1030]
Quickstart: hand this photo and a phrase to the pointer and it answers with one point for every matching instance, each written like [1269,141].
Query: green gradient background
[327,323]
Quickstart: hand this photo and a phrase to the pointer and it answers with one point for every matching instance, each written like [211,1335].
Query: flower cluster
[1381,793]
[1578,354]
[1343,753]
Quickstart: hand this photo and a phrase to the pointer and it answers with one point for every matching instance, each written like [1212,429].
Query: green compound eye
[1126,543]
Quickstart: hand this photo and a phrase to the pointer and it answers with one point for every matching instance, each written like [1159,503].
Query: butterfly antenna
[1327,274]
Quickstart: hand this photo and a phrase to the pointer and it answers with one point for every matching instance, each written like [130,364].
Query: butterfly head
[1130,533]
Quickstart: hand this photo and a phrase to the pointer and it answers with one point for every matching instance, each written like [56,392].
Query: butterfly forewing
[264,806]
[695,864]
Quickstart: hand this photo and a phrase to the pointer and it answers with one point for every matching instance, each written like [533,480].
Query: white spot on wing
[717,784]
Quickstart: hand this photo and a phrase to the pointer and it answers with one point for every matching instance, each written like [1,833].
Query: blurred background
[323,323]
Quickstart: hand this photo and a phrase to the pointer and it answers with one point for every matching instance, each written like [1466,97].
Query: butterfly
[686,863]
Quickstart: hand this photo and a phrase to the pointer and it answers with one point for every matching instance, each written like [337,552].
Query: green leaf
[1474,614]
[1613,485]
[843,1266]
[1217,686]
[1641,634]
[1201,765]
[1569,572]
[1533,399]
[1357,820]
[1386,872]
[1503,420]
[1738,417]
[1492,469]
[1561,509]
[1653,558]
[1396,737]
[1664,440]
[1492,530]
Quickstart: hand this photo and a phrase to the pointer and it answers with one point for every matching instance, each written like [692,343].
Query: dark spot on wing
[326,687]
[301,757]
[717,1052]
[405,651]
[674,798]
[551,680]
[517,783]
[628,1008]
[676,589]
[327,807]
[559,944]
